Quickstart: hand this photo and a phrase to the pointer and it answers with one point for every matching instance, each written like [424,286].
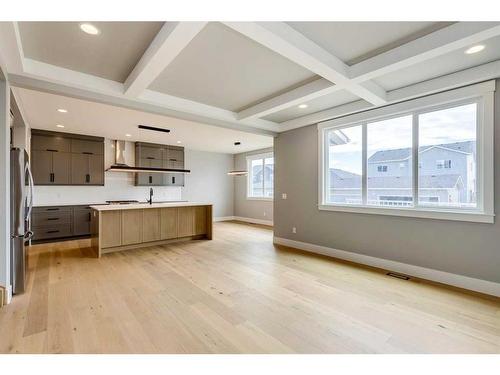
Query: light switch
[283,195]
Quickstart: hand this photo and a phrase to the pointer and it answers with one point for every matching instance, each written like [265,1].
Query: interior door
[41,167]
[61,167]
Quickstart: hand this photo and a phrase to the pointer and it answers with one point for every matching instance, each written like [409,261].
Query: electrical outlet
[294,230]
[283,196]
[265,214]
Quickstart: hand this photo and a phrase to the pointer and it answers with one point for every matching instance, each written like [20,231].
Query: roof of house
[445,181]
[468,147]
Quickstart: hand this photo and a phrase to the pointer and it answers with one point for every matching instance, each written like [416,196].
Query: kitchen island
[130,226]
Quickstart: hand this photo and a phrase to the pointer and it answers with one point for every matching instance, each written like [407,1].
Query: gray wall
[208,180]
[470,249]
[249,208]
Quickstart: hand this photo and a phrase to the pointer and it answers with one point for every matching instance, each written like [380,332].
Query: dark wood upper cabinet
[47,142]
[159,156]
[81,146]
[66,159]
[61,168]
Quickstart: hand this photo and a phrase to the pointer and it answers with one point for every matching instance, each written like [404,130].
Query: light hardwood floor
[235,294]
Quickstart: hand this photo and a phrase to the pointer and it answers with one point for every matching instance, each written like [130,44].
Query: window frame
[482,94]
[250,158]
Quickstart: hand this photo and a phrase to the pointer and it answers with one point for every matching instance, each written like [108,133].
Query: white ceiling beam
[51,78]
[11,52]
[447,82]
[288,42]
[457,36]
[165,47]
[304,93]
[451,38]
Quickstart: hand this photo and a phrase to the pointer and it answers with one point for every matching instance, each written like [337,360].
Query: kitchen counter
[118,227]
[134,206]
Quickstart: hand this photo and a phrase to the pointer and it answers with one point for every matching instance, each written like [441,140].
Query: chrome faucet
[150,200]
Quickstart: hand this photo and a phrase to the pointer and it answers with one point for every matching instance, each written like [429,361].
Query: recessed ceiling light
[60,126]
[128,135]
[62,110]
[302,106]
[475,49]
[89,29]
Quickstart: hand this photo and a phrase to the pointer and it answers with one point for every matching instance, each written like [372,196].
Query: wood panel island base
[124,227]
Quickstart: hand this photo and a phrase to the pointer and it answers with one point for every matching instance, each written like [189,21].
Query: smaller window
[382,168]
[260,183]
[439,164]
[447,164]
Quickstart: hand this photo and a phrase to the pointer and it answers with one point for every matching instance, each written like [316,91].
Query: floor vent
[398,276]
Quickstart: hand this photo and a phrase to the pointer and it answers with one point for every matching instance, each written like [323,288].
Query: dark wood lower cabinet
[60,222]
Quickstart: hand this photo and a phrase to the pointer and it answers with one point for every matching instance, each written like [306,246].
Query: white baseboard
[245,219]
[223,218]
[253,221]
[465,282]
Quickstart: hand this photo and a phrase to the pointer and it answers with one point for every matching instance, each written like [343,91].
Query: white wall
[259,210]
[4,183]
[207,182]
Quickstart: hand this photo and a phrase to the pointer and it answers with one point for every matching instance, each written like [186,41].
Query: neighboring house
[258,174]
[447,174]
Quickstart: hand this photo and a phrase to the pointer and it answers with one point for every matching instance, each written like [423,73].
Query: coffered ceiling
[256,77]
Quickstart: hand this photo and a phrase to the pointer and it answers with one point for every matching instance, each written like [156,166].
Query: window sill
[478,217]
[259,199]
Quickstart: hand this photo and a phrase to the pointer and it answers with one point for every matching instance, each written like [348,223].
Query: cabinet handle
[87,153]
[52,178]
[52,231]
[172,159]
[150,157]
[87,178]
[150,179]
[52,150]
[89,217]
[53,218]
[173,180]
[52,209]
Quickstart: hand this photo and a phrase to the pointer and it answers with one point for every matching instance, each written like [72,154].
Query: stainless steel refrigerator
[21,203]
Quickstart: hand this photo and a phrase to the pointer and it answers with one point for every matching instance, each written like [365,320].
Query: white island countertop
[133,206]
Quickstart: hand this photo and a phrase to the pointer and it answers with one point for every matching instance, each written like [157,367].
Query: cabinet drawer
[50,143]
[80,146]
[57,231]
[52,209]
[51,218]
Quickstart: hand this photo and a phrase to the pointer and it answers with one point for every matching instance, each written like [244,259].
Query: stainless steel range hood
[121,166]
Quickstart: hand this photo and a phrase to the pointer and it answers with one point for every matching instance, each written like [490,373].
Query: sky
[444,126]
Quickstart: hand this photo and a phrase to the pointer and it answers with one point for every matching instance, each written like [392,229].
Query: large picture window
[434,160]
[260,176]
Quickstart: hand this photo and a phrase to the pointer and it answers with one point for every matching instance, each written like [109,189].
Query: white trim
[254,221]
[438,213]
[8,291]
[172,38]
[483,95]
[223,218]
[461,281]
[245,219]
